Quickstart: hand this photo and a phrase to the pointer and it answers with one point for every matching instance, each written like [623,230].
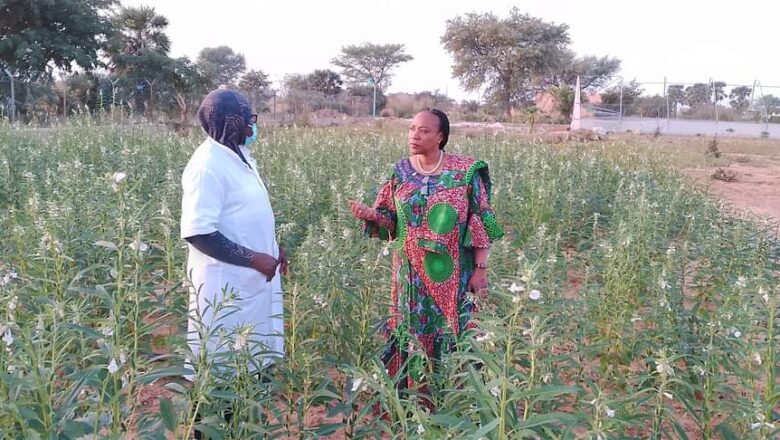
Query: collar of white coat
[244,151]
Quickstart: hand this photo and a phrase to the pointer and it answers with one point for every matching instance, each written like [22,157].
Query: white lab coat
[221,193]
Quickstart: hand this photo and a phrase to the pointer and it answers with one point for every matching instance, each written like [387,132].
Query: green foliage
[38,33]
[623,303]
[504,55]
[361,63]
[220,65]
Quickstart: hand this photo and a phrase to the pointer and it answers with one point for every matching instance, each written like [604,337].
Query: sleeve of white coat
[201,202]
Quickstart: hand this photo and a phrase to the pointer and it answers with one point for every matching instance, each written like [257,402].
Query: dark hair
[444,125]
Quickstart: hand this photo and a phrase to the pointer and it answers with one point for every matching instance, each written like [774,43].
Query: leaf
[211,432]
[76,429]
[106,244]
[726,432]
[164,372]
[487,428]
[168,415]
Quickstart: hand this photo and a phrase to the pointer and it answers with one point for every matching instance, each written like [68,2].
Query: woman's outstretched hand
[361,211]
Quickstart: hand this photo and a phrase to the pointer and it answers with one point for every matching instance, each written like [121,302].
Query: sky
[685,41]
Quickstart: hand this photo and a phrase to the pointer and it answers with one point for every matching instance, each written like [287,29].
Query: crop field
[624,303]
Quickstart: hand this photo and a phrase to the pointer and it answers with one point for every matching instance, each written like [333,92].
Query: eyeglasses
[252,119]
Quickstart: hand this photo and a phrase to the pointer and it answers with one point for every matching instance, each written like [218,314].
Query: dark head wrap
[224,114]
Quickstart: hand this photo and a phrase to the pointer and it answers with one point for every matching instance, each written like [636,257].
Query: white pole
[576,115]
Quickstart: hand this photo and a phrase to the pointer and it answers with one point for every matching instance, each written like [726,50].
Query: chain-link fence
[707,108]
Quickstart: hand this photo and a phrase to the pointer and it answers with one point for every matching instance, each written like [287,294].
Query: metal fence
[706,108]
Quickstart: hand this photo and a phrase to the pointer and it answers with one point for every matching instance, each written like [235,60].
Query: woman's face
[424,134]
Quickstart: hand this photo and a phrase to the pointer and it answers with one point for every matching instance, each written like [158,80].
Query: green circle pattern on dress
[442,218]
[439,267]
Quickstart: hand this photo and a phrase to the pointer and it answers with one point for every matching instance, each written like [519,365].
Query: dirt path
[755,189]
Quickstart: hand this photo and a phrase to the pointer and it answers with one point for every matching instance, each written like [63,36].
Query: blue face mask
[251,139]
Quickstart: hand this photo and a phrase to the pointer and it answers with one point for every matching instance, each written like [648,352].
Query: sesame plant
[624,303]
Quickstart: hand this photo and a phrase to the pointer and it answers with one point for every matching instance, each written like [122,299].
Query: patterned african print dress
[436,222]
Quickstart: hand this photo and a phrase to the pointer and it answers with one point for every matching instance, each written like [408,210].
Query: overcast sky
[683,40]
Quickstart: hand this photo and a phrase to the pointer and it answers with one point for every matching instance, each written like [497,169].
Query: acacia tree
[369,61]
[504,55]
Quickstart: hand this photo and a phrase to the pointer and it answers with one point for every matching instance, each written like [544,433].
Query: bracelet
[481,266]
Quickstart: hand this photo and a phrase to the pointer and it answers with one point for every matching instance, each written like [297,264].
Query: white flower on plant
[516,288]
[535,295]
[737,334]
[520,256]
[664,368]
[636,318]
[699,370]
[319,300]
[757,358]
[386,251]
[663,284]
[485,337]
[357,385]
[112,367]
[346,234]
[108,331]
[552,259]
[495,391]
[760,425]
[420,429]
[517,299]
[138,245]
[240,341]
[763,294]
[119,177]
[610,412]
[741,282]
[122,357]
[12,303]
[668,396]
[11,369]
[8,337]
[671,251]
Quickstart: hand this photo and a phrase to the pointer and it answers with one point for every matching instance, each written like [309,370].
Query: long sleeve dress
[436,221]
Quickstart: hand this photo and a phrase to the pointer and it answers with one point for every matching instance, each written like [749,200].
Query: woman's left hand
[478,283]
[283,263]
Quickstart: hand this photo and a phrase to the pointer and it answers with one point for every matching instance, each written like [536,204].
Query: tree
[220,65]
[739,98]
[325,81]
[676,95]
[631,91]
[186,81]
[698,95]
[594,72]
[37,35]
[368,61]
[718,92]
[505,55]
[295,82]
[138,51]
[650,106]
[256,85]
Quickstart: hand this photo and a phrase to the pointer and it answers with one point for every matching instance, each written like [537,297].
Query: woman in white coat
[234,261]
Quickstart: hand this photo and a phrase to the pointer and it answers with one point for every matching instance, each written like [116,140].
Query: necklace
[423,170]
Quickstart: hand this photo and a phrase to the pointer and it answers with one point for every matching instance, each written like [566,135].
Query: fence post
[13,97]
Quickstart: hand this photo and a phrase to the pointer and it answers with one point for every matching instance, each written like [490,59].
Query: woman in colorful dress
[436,206]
